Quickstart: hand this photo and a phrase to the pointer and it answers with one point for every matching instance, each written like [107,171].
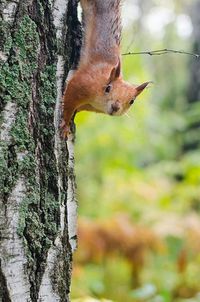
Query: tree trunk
[40,40]
[193,96]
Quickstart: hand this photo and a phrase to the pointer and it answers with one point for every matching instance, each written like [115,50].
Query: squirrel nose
[115,107]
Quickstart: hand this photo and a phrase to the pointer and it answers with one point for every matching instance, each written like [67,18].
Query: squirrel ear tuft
[115,73]
[141,87]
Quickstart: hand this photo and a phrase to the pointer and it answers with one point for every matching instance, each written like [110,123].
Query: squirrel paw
[65,130]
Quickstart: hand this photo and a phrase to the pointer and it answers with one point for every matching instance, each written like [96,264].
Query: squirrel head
[118,94]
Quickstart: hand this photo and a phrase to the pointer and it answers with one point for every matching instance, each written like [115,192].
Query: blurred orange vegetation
[102,240]
[99,240]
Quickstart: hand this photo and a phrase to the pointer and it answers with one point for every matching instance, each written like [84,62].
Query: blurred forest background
[138,176]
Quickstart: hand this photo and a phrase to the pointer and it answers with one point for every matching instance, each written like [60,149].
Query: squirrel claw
[65,130]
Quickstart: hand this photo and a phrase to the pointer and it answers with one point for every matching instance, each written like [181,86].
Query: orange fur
[97,84]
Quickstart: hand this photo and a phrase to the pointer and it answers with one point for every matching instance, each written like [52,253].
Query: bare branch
[162,52]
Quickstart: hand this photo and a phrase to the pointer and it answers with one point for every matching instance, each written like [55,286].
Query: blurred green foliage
[137,164]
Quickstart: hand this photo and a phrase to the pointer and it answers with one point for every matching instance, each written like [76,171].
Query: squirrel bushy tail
[102,27]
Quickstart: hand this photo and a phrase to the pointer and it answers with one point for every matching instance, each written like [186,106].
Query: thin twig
[162,52]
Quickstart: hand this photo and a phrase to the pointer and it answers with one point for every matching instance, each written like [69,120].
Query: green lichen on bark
[29,82]
[15,80]
[22,54]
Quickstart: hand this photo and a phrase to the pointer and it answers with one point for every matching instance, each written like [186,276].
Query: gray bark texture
[39,44]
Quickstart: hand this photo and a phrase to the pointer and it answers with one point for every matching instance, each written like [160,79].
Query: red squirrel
[97,84]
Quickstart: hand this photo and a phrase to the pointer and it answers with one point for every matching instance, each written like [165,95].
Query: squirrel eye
[131,102]
[108,88]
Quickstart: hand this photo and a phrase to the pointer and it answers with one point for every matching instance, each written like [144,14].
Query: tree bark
[40,41]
